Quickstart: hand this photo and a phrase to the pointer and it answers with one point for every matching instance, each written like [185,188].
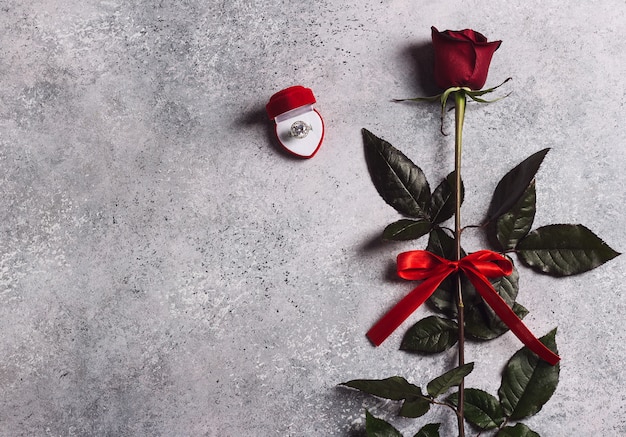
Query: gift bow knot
[421,265]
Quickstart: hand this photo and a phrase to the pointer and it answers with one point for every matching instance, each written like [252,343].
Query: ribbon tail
[403,309]
[506,314]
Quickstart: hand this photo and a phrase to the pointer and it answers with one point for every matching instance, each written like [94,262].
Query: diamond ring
[300,129]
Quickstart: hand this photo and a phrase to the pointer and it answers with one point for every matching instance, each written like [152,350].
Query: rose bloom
[462,58]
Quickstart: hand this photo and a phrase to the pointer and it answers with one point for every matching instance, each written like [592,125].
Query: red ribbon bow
[421,265]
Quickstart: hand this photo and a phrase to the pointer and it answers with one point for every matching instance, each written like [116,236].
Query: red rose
[462,58]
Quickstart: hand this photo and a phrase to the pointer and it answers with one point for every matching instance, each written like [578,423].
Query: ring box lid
[289,99]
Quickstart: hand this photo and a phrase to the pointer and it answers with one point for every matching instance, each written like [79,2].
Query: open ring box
[293,107]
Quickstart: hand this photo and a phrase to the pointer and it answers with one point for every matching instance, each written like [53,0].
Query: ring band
[299,129]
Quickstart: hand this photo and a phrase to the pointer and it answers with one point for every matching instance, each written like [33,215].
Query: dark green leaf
[519,430]
[406,229]
[512,186]
[481,322]
[480,408]
[563,250]
[442,202]
[430,335]
[514,224]
[395,388]
[452,378]
[507,286]
[430,430]
[444,297]
[398,180]
[375,427]
[441,244]
[528,382]
[415,407]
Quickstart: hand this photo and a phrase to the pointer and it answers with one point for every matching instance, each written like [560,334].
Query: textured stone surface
[166,271]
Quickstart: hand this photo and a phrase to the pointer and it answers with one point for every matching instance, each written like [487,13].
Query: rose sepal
[472,94]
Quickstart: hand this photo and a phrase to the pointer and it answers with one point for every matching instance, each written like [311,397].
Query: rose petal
[455,60]
[462,58]
[483,55]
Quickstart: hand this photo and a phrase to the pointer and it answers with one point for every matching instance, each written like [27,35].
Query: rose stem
[459,117]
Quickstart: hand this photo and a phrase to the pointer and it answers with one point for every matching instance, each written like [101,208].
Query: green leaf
[513,185]
[507,286]
[528,382]
[375,427]
[430,430]
[514,224]
[406,229]
[444,297]
[481,322]
[452,378]
[442,202]
[563,250]
[430,335]
[398,180]
[480,408]
[519,430]
[415,407]
[443,245]
[395,388]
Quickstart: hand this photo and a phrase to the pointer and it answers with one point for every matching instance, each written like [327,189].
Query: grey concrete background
[167,271]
